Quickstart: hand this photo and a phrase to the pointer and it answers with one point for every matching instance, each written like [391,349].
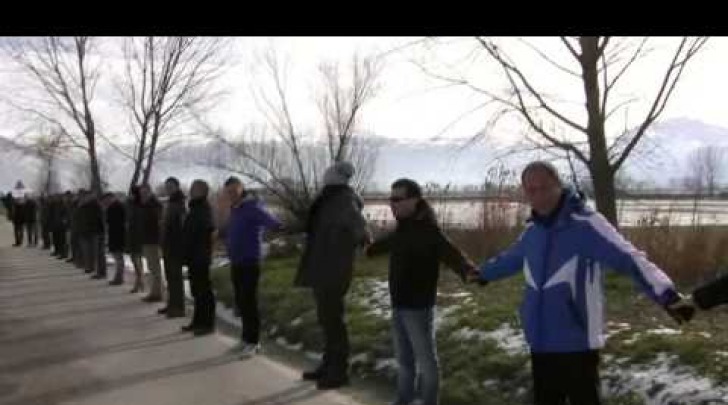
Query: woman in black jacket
[197,233]
[417,247]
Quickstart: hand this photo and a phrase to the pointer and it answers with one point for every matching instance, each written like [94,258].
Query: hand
[472,275]
[681,309]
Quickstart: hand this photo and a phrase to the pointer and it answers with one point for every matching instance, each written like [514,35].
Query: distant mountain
[659,160]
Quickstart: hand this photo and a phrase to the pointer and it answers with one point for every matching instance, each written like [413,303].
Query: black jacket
[91,218]
[197,234]
[335,228]
[417,247]
[31,211]
[712,294]
[149,218]
[116,226]
[174,216]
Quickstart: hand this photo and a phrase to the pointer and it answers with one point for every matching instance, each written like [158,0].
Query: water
[469,213]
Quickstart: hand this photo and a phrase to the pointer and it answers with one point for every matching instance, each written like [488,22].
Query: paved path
[65,339]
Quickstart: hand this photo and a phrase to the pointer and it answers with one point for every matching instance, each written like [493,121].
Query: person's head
[339,174]
[233,188]
[145,192]
[171,185]
[199,189]
[542,186]
[405,197]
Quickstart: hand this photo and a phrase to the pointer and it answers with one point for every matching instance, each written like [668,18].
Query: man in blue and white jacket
[563,254]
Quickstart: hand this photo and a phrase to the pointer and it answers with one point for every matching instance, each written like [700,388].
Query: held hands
[472,275]
[681,309]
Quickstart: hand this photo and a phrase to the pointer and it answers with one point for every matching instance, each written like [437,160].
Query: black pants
[204,313]
[45,233]
[18,229]
[90,253]
[60,246]
[76,250]
[566,378]
[32,229]
[175,283]
[245,285]
[330,313]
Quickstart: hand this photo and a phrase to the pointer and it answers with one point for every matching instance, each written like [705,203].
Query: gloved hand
[680,308]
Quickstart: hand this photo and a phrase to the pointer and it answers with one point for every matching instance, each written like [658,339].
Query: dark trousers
[204,312]
[330,313]
[77,250]
[566,378]
[18,230]
[175,283]
[101,256]
[90,249]
[32,228]
[245,278]
[45,233]
[60,246]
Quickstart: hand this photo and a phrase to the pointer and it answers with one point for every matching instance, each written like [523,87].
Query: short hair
[411,188]
[203,184]
[541,165]
[172,180]
[232,180]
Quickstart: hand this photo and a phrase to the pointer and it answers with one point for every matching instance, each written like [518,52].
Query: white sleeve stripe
[657,279]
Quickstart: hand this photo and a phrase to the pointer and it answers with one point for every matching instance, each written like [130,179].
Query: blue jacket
[563,261]
[248,220]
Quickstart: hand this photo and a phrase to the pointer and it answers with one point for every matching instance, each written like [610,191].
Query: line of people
[563,254]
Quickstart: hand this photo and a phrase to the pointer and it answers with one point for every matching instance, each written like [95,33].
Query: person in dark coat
[135,236]
[116,234]
[31,220]
[174,216]
[711,294]
[150,220]
[334,230]
[59,226]
[74,214]
[417,247]
[248,221]
[45,219]
[90,231]
[18,215]
[197,234]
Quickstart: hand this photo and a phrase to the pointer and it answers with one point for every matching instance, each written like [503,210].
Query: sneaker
[249,349]
[162,311]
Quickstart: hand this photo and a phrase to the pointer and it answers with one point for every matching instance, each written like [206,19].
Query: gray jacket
[335,228]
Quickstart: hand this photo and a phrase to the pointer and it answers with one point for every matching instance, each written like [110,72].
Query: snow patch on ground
[663,381]
[508,339]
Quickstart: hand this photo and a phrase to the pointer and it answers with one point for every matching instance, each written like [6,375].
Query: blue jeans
[416,352]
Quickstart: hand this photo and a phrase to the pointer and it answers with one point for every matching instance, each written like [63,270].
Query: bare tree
[286,160]
[49,148]
[165,78]
[66,75]
[598,64]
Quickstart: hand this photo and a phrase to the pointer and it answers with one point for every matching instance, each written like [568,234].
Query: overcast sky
[412,105]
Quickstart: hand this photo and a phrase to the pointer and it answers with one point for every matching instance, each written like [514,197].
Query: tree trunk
[152,150]
[95,172]
[600,169]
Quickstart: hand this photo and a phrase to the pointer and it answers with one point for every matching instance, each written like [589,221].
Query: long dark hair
[423,209]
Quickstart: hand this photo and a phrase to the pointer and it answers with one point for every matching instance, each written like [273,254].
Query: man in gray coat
[334,229]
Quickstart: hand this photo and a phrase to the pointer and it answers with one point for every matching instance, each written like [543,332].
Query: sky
[414,106]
